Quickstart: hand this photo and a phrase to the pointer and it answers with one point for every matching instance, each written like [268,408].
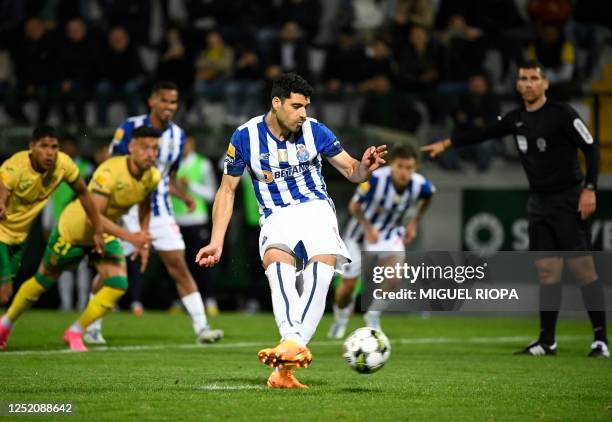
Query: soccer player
[378,210]
[167,238]
[561,200]
[117,184]
[282,151]
[27,180]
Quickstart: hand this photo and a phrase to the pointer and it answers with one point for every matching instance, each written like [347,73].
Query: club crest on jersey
[302,153]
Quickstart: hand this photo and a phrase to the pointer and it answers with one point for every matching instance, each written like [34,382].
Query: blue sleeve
[427,190]
[177,162]
[122,138]
[365,191]
[234,163]
[325,140]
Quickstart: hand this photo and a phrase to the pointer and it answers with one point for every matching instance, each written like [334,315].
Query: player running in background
[167,238]
[378,224]
[27,180]
[117,185]
[561,200]
[282,152]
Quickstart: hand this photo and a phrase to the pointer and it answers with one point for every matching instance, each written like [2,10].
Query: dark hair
[43,131]
[403,151]
[533,64]
[288,83]
[159,85]
[145,132]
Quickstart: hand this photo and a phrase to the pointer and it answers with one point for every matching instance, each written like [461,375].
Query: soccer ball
[366,350]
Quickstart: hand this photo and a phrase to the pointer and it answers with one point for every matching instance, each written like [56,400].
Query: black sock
[550,302]
[594,302]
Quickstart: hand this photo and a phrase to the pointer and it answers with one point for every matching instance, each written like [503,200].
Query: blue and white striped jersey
[283,172]
[172,142]
[385,207]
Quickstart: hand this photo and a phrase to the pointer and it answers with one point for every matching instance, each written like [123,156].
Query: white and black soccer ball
[366,350]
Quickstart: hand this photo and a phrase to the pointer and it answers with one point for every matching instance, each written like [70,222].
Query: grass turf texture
[442,368]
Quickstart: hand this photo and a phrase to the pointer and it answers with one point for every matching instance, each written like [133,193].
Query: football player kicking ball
[378,211]
[116,185]
[282,151]
[27,181]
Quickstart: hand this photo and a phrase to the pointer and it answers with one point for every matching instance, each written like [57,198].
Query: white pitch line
[219,387]
[254,344]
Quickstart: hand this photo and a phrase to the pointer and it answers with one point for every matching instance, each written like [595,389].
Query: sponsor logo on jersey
[270,176]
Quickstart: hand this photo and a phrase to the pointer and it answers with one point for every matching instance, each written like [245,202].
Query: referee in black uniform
[561,200]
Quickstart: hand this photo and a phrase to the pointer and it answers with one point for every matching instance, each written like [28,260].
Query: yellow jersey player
[116,185]
[27,181]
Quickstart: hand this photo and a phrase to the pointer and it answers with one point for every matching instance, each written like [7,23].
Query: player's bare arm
[93,212]
[411,227]
[223,207]
[3,201]
[177,191]
[144,217]
[359,171]
[137,239]
[370,231]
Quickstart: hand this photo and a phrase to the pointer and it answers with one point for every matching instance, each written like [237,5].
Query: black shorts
[555,224]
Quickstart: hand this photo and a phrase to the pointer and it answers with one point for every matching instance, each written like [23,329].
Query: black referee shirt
[548,139]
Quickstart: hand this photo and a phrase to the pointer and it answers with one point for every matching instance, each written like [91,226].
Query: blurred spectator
[120,71]
[134,15]
[175,64]
[34,69]
[592,27]
[555,12]
[369,16]
[413,12]
[306,13]
[383,106]
[557,55]
[420,60]
[465,49]
[75,64]
[289,53]
[213,68]
[243,93]
[343,64]
[476,109]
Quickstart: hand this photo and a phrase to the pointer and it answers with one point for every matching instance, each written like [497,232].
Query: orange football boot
[287,353]
[284,378]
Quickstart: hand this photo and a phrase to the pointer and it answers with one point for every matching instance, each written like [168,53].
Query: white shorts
[166,233]
[304,230]
[394,244]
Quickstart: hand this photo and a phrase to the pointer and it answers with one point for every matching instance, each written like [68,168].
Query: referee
[548,135]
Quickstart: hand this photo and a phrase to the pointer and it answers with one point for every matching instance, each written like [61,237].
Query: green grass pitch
[442,368]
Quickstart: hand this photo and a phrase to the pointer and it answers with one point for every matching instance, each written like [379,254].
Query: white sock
[317,278]
[195,308]
[97,324]
[83,281]
[6,322]
[76,327]
[286,302]
[372,318]
[65,286]
[342,315]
